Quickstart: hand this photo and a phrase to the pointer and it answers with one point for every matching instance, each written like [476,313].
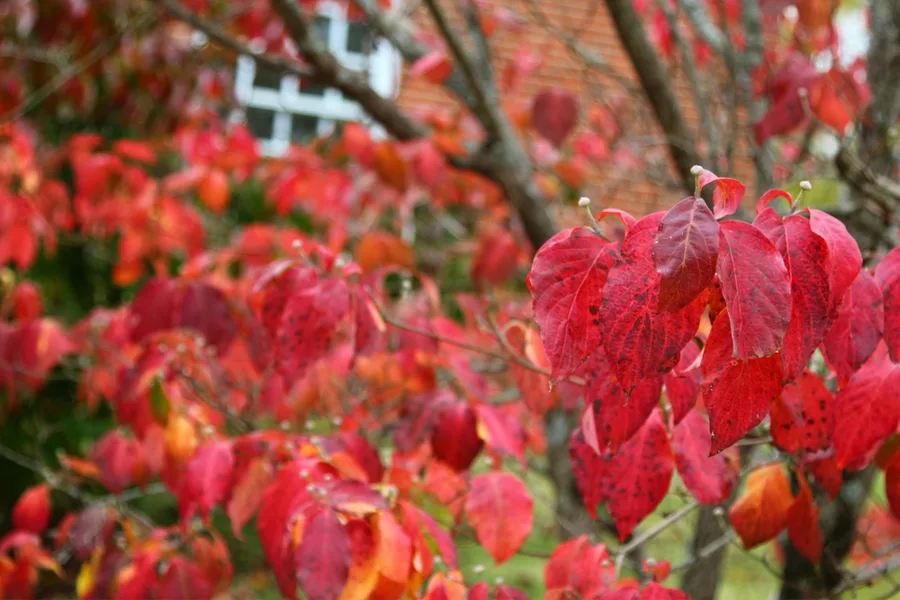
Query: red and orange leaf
[554,113]
[710,479]
[803,417]
[500,509]
[887,275]
[803,523]
[757,290]
[867,410]
[247,494]
[323,558]
[637,479]
[844,258]
[811,312]
[390,167]
[737,393]
[363,574]
[682,384]
[395,557]
[762,512]
[685,252]
[566,281]
[856,329]
[502,432]
[581,567]
[639,339]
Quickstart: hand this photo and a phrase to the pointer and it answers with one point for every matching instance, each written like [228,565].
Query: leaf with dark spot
[637,479]
[856,329]
[867,410]
[757,290]
[803,418]
[639,339]
[685,252]
[323,558]
[737,393]
[709,478]
[566,281]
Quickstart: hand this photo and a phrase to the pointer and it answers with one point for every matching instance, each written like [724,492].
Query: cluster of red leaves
[629,318]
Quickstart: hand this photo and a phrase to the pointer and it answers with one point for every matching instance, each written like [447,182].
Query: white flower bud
[696,170]
[584,201]
[805,185]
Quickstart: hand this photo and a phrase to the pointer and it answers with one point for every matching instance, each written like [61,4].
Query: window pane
[267,78]
[261,122]
[303,128]
[312,89]
[358,35]
[320,24]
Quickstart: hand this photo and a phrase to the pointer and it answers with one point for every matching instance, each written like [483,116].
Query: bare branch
[866,181]
[658,88]
[701,100]
[396,30]
[705,28]
[486,107]
[654,531]
[473,19]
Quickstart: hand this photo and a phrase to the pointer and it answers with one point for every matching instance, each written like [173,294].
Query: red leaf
[117,457]
[155,308]
[322,560]
[638,339]
[685,252]
[499,508]
[588,469]
[803,523]
[803,418]
[856,329]
[581,567]
[867,410]
[611,417]
[566,281]
[762,512]
[887,275]
[844,258]
[727,196]
[184,580]
[892,486]
[430,165]
[710,479]
[454,438]
[757,290]
[554,114]
[764,200]
[682,384]
[207,481]
[737,393]
[827,474]
[810,295]
[654,591]
[496,258]
[434,67]
[500,431]
[771,224]
[32,511]
[206,309]
[637,479]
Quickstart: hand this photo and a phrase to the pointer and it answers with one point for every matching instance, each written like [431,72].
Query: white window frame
[382,65]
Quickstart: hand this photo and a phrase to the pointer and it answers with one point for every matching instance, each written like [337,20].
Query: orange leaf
[803,523]
[378,248]
[214,191]
[390,167]
[500,509]
[762,512]
[394,557]
[247,494]
[364,568]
